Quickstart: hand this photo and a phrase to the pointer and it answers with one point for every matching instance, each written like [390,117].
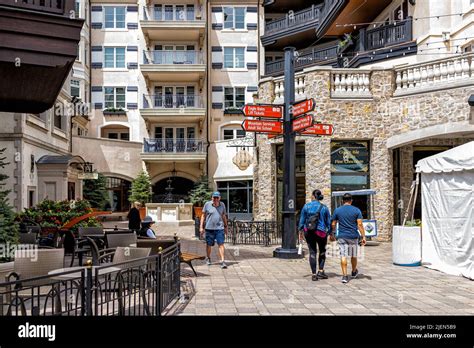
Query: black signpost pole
[288,249]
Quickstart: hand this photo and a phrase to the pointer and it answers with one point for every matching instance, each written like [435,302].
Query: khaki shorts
[348,247]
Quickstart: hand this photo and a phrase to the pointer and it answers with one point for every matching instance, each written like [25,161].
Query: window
[229,134]
[234,17]
[115,16]
[114,57]
[174,12]
[58,115]
[75,89]
[77,9]
[237,197]
[115,97]
[234,97]
[234,57]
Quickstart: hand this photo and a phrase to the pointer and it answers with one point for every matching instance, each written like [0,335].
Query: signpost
[269,111]
[302,123]
[319,129]
[262,126]
[303,107]
[289,127]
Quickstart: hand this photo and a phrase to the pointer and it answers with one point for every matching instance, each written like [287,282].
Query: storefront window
[237,196]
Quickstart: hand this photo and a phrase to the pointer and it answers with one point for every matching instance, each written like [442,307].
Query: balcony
[302,22]
[175,66]
[158,25]
[311,56]
[173,108]
[37,51]
[174,150]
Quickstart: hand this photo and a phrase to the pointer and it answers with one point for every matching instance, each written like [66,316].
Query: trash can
[406,246]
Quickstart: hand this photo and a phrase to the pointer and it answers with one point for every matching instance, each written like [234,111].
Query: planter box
[115,113]
[406,246]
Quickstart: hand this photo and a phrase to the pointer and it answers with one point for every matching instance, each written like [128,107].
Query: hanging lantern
[243,159]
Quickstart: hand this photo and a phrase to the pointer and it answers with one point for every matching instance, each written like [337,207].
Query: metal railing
[294,19]
[176,14]
[306,57]
[265,233]
[144,286]
[50,6]
[172,57]
[389,34]
[173,145]
[171,101]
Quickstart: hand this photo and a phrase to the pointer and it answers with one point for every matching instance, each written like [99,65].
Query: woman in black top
[134,217]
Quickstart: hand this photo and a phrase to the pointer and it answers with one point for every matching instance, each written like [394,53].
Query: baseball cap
[216,194]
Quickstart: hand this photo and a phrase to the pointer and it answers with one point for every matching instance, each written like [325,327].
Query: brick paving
[255,283]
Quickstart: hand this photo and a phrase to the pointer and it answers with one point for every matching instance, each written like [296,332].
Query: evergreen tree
[95,191]
[8,227]
[141,189]
[201,193]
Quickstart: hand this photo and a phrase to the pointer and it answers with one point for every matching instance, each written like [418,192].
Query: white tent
[447,189]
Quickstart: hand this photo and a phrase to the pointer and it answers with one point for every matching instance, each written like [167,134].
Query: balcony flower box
[233,111]
[114,112]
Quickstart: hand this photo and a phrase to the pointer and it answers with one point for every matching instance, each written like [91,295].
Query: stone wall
[375,119]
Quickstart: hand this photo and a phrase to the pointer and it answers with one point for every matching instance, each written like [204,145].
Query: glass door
[168,12]
[168,97]
[169,140]
[191,55]
[190,12]
[158,14]
[180,55]
[190,97]
[158,97]
[180,14]
[180,140]
[179,97]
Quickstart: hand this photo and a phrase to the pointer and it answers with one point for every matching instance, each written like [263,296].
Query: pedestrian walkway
[255,283]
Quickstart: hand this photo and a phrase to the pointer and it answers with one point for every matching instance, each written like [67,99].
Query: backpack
[313,220]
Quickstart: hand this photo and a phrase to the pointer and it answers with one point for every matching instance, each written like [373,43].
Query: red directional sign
[302,123]
[319,129]
[303,107]
[263,111]
[262,126]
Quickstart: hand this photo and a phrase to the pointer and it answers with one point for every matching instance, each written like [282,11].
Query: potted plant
[200,194]
[141,192]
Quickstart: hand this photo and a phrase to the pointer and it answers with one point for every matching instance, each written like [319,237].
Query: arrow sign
[302,123]
[303,107]
[319,129]
[263,111]
[262,126]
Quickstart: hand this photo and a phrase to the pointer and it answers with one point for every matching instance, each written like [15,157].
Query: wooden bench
[166,242]
[187,258]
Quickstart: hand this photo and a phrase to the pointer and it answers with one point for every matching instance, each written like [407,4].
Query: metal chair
[114,240]
[32,263]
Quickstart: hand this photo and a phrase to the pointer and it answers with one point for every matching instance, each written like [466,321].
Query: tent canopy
[453,160]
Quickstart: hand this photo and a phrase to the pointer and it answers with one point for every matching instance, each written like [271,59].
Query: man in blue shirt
[318,238]
[350,224]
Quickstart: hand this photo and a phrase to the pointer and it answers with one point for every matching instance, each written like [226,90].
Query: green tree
[8,226]
[141,189]
[201,193]
[95,191]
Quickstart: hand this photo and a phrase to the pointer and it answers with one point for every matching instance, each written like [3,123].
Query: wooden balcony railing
[61,7]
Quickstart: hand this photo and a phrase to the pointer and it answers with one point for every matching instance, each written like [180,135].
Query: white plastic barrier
[406,246]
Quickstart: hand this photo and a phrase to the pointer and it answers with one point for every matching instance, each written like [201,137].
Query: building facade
[38,152]
[167,81]
[403,99]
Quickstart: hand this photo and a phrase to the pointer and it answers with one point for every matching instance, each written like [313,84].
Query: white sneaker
[208,261]
[223,265]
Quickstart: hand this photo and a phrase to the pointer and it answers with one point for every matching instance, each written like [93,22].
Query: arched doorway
[180,190]
[119,191]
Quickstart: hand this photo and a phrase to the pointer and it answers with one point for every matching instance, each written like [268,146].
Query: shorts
[215,235]
[348,247]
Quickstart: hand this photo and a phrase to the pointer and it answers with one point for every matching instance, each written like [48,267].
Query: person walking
[314,225]
[146,230]
[134,217]
[350,225]
[214,216]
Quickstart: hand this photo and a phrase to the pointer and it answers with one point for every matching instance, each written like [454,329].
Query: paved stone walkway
[255,283]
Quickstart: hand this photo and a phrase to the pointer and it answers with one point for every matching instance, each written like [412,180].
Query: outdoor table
[78,273]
